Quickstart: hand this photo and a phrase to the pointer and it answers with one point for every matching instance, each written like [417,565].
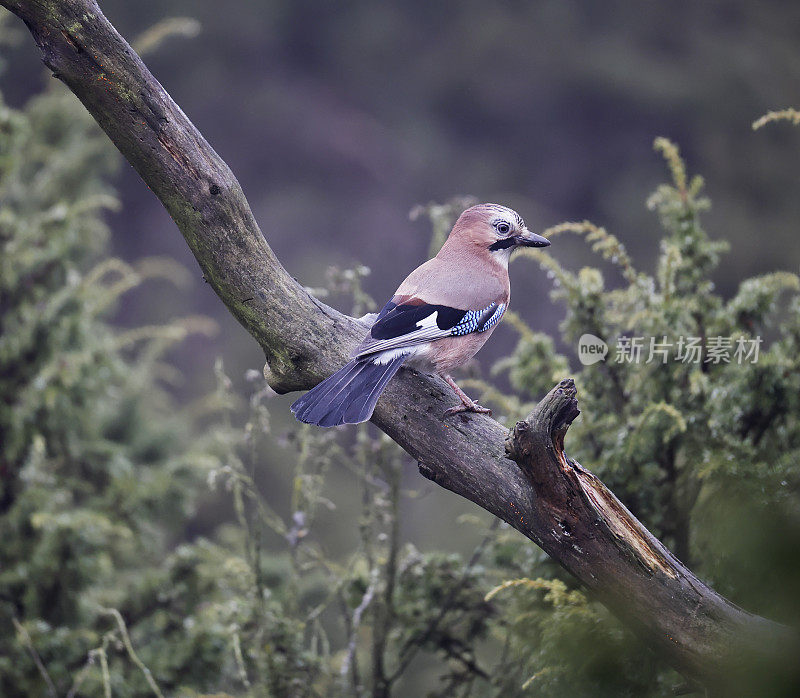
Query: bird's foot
[467,404]
[467,407]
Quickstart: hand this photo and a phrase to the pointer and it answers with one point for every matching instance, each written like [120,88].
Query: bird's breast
[449,353]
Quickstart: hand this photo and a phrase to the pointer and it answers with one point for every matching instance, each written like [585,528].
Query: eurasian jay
[437,320]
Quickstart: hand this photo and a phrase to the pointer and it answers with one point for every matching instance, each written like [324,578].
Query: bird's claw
[473,407]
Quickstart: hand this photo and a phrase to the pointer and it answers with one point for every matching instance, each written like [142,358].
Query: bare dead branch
[580,523]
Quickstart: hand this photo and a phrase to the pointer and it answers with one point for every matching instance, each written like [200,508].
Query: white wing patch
[427,332]
[390,355]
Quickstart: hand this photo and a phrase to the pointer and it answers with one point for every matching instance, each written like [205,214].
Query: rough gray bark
[546,496]
[577,520]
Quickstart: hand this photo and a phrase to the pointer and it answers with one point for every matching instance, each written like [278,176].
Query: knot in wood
[514,446]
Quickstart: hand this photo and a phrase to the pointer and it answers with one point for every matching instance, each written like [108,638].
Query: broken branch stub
[572,494]
[596,538]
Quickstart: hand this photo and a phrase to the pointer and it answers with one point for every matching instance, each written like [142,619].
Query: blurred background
[338,119]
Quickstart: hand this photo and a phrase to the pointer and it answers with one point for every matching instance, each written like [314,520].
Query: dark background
[338,118]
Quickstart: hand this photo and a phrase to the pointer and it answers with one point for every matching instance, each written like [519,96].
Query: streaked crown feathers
[479,223]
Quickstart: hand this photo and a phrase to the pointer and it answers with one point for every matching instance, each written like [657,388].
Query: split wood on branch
[547,497]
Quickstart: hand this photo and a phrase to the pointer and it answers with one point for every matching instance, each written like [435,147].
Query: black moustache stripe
[503,244]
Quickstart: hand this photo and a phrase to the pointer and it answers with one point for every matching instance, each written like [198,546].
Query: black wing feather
[396,320]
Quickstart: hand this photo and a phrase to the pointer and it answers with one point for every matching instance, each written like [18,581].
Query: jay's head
[496,229]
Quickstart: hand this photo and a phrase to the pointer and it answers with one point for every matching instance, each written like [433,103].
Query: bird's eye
[503,228]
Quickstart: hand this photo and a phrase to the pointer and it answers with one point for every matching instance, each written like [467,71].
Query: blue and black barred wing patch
[479,320]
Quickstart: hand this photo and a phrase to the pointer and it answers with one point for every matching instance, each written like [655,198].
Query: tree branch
[578,521]
[549,498]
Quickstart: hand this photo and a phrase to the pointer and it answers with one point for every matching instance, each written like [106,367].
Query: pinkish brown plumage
[438,319]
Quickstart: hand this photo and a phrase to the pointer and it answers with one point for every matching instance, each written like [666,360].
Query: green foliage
[698,451]
[790,115]
[98,474]
[106,587]
[101,589]
[572,646]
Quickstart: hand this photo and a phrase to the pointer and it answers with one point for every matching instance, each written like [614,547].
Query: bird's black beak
[529,239]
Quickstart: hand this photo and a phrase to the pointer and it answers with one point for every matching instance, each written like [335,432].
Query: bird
[437,320]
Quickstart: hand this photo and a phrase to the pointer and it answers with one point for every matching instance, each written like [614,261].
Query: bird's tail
[349,395]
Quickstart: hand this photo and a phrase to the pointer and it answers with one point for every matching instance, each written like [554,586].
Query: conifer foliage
[104,592]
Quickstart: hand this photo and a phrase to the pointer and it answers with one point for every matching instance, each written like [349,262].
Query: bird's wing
[407,321]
